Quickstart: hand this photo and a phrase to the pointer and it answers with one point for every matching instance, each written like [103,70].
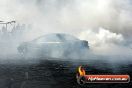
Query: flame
[81,71]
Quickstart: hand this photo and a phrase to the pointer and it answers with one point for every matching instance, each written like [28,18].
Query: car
[53,45]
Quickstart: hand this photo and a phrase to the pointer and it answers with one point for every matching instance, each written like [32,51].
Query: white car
[53,45]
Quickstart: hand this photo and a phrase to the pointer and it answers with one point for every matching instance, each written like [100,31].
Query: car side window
[48,39]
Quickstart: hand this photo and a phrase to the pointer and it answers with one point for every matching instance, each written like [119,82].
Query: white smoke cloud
[69,16]
[101,37]
[73,17]
[105,42]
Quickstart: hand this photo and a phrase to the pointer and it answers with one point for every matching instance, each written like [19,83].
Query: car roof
[57,37]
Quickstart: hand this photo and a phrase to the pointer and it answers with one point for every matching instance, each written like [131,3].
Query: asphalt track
[53,73]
